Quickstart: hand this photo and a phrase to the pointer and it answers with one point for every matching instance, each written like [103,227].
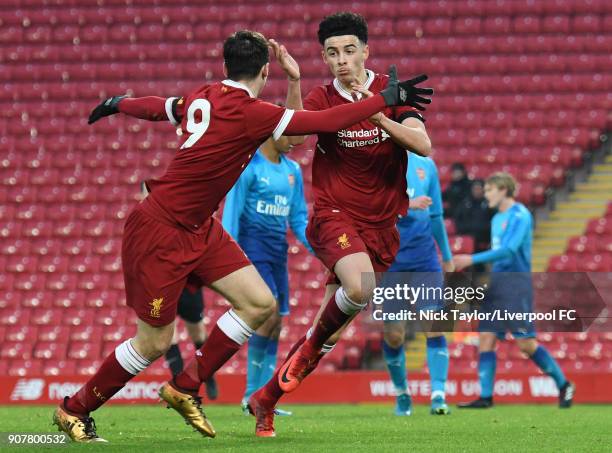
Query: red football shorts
[334,235]
[159,259]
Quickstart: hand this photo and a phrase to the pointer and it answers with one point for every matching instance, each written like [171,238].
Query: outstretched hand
[406,92]
[285,60]
[106,108]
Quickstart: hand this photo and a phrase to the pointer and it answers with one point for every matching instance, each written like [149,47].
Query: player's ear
[324,56]
[366,52]
[265,71]
[224,70]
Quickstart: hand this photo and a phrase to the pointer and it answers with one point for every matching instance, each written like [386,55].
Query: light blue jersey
[511,237]
[266,199]
[420,227]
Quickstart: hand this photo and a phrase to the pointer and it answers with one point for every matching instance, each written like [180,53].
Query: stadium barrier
[365,387]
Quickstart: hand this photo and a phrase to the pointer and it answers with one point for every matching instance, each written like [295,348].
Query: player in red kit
[172,236]
[359,187]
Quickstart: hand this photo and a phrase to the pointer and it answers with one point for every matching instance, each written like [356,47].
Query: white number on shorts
[197,129]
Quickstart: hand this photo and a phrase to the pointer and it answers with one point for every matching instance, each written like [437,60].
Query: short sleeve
[175,110]
[400,113]
[315,100]
[264,119]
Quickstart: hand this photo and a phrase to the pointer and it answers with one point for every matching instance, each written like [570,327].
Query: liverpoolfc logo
[156,307]
[343,241]
[98,394]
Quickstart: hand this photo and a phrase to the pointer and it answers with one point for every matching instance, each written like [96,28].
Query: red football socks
[330,321]
[272,389]
[217,349]
[109,379]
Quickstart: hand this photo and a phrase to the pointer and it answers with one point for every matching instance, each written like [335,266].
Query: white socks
[346,305]
[129,359]
[234,327]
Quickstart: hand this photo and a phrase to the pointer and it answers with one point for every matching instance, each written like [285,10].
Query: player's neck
[253,85]
[506,204]
[270,153]
[361,79]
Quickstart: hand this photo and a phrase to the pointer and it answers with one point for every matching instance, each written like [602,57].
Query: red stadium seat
[562,263]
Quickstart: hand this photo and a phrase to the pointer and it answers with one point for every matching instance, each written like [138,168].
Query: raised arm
[294,91]
[151,108]
[408,129]
[331,120]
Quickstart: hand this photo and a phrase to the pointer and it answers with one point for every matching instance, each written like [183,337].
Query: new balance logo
[28,389]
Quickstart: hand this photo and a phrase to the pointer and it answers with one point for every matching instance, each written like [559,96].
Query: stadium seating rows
[520,85]
[591,251]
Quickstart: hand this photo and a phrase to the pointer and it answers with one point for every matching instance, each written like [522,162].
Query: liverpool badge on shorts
[343,241]
[156,307]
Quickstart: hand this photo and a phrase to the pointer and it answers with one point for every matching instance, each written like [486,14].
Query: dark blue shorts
[276,277]
[427,274]
[508,293]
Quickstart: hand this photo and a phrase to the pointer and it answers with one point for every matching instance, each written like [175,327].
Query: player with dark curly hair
[359,189]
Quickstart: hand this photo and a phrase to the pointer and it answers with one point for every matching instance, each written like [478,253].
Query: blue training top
[420,227]
[511,237]
[266,198]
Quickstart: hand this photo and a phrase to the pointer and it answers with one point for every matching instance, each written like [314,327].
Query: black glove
[406,93]
[106,108]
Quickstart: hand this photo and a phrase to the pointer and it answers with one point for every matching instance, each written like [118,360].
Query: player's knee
[263,306]
[528,346]
[155,346]
[360,292]
[394,338]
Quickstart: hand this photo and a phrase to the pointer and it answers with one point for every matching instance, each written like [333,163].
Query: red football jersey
[222,125]
[359,170]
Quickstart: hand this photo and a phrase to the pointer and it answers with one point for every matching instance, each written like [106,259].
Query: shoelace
[89,427]
[197,400]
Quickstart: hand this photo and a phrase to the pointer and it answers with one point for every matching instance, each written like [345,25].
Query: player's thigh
[153,268]
[152,342]
[356,276]
[245,290]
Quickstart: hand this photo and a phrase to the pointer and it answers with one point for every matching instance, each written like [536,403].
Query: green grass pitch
[352,428]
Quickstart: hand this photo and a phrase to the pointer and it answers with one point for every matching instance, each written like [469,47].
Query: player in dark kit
[359,188]
[172,235]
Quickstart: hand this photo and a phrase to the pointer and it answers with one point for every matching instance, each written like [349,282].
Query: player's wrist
[293,79]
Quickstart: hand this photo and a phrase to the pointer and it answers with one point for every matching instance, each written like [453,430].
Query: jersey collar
[233,83]
[346,94]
